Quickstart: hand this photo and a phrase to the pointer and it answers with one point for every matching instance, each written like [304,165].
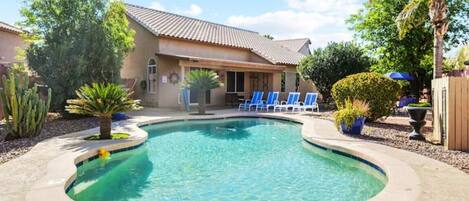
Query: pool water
[226,160]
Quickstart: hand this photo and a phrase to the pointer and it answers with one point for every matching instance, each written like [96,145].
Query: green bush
[326,66]
[24,110]
[378,91]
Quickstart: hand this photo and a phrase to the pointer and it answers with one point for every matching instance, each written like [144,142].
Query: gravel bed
[396,135]
[55,125]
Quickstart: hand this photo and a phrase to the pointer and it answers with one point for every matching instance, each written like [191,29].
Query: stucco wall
[182,47]
[135,64]
[8,44]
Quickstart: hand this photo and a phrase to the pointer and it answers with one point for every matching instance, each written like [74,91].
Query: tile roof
[294,44]
[9,28]
[178,26]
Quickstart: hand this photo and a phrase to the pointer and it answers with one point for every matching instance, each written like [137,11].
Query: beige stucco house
[167,46]
[10,40]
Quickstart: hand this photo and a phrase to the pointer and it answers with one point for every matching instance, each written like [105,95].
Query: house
[167,46]
[10,40]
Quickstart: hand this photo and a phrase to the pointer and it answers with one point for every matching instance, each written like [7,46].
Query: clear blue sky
[320,20]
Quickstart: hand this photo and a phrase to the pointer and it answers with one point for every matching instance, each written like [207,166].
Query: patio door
[193,93]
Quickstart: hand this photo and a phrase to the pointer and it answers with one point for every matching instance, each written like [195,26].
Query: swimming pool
[229,159]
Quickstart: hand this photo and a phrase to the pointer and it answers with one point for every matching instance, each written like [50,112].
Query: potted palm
[201,81]
[417,113]
[102,100]
[351,118]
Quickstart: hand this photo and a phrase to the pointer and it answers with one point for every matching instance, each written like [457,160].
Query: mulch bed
[56,125]
[396,135]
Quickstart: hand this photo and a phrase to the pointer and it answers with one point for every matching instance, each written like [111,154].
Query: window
[151,76]
[235,81]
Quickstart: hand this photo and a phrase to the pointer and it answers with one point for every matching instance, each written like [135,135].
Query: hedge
[378,91]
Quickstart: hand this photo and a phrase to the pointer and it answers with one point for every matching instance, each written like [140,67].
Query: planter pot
[417,121]
[355,129]
[119,116]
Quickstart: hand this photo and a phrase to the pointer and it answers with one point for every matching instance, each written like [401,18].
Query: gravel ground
[56,125]
[395,134]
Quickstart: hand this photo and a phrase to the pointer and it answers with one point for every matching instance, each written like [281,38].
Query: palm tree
[201,81]
[413,14]
[102,100]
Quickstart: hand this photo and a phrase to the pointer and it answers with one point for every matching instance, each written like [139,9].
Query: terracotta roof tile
[178,26]
[9,28]
[293,44]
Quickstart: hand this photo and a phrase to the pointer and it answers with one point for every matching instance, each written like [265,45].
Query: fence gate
[451,112]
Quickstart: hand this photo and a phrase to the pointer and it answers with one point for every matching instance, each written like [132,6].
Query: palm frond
[413,14]
[102,100]
[202,80]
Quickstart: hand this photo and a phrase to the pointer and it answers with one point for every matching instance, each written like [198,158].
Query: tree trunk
[438,56]
[201,100]
[105,127]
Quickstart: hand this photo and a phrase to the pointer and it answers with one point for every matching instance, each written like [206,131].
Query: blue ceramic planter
[119,116]
[355,129]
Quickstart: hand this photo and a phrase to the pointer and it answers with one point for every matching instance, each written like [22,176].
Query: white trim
[155,78]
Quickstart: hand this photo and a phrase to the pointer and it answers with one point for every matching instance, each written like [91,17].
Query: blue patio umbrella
[399,76]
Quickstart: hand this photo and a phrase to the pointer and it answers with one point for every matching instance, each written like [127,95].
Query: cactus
[24,110]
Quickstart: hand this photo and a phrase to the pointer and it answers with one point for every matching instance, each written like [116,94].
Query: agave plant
[102,100]
[201,81]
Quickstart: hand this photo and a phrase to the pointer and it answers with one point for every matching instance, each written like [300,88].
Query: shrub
[326,66]
[350,112]
[24,110]
[378,91]
[102,100]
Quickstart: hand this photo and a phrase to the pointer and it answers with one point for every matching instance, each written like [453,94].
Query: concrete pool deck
[44,172]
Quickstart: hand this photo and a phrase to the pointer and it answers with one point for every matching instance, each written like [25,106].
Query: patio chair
[271,102]
[256,102]
[256,96]
[292,100]
[309,103]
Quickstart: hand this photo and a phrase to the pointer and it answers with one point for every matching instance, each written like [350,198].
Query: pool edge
[393,190]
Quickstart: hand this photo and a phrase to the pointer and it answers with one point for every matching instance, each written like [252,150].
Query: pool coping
[403,182]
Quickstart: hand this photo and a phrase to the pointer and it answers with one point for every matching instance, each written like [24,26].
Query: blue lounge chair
[257,101]
[271,102]
[292,100]
[256,96]
[310,103]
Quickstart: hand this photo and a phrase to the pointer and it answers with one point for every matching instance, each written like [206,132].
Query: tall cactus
[24,110]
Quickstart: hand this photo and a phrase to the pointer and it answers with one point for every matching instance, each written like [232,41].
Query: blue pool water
[233,160]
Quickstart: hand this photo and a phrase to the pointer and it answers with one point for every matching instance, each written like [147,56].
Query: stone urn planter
[417,120]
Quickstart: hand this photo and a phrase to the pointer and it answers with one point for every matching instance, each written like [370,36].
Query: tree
[444,17]
[76,42]
[268,36]
[201,81]
[376,27]
[102,100]
[328,65]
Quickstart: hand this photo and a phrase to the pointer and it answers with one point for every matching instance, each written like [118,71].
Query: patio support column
[277,81]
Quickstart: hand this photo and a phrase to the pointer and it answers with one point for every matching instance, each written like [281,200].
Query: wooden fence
[451,112]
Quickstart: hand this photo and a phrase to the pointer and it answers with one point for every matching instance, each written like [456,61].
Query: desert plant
[102,100]
[24,110]
[201,81]
[350,112]
[378,91]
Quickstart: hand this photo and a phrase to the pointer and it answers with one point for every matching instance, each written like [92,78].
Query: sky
[320,20]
